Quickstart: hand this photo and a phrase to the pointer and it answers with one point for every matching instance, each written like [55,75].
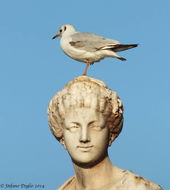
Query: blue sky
[33,68]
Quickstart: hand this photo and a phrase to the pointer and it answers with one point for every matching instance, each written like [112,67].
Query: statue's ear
[62,142]
[112,138]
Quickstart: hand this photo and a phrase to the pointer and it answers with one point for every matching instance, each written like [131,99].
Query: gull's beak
[56,36]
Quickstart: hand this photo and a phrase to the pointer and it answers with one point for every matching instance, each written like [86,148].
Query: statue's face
[85,135]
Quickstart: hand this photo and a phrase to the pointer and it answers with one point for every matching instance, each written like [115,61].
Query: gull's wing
[91,42]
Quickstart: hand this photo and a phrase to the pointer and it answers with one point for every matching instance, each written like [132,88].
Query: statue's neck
[96,176]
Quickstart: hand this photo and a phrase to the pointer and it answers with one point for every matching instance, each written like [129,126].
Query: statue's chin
[88,163]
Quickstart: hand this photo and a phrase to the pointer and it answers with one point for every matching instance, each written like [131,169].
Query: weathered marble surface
[86,117]
[85,92]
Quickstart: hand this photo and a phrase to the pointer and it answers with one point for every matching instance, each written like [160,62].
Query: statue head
[88,94]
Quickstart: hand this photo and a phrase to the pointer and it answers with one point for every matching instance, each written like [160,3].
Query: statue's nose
[84,135]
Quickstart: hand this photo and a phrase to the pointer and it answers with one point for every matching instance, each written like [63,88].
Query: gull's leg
[85,71]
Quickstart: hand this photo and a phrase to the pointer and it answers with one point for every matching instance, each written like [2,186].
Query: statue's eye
[74,128]
[65,28]
[60,30]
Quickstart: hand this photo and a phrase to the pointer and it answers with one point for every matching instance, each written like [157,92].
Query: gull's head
[65,29]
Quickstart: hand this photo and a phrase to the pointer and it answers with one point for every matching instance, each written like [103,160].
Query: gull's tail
[123,47]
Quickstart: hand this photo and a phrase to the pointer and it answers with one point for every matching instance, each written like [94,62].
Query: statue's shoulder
[68,184]
[129,180]
[134,181]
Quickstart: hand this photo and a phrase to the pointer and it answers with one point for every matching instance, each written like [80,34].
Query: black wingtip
[129,46]
[122,58]
[135,45]
[123,47]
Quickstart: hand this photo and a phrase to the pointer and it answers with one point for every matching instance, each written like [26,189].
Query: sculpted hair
[89,93]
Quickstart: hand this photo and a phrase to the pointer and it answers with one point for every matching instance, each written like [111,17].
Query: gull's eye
[65,28]
[60,30]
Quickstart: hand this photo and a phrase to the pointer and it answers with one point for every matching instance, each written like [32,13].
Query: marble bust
[86,117]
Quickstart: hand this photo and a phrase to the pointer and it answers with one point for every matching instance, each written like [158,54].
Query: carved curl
[90,93]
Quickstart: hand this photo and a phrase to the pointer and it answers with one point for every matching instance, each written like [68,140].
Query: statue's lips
[85,148]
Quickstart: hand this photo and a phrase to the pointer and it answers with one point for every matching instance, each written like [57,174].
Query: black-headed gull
[87,47]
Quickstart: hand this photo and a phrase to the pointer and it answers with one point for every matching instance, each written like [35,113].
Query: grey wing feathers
[91,42]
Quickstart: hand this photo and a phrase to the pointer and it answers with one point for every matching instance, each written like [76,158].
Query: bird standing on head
[87,47]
